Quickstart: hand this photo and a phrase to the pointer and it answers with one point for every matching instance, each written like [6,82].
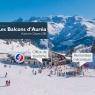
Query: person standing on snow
[6,74]
[7,82]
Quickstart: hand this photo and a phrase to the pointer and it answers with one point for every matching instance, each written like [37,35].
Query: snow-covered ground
[23,82]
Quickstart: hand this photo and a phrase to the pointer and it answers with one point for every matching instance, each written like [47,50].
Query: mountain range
[67,32]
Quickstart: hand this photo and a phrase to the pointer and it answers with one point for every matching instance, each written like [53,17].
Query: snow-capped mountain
[66,32]
[75,31]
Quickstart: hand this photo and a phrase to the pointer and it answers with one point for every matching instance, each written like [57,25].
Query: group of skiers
[7,83]
[66,72]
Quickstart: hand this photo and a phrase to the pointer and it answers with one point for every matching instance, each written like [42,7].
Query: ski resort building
[57,58]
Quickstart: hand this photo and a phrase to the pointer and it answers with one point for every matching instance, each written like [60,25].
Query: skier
[35,72]
[6,74]
[7,82]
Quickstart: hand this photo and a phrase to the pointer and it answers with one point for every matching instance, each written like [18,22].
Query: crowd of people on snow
[66,71]
[60,71]
[7,82]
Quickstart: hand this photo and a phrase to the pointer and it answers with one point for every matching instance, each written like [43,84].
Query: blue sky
[13,9]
